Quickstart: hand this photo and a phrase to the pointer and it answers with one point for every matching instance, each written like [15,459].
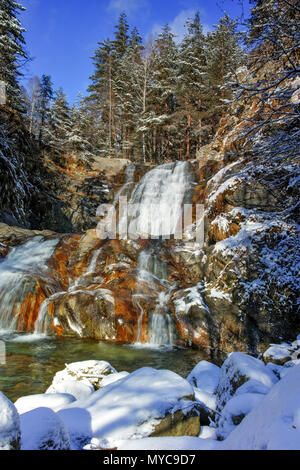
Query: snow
[236,409]
[55,401]
[274,424]
[238,369]
[9,424]
[205,376]
[278,353]
[42,429]
[79,390]
[87,372]
[252,386]
[190,297]
[207,398]
[112,378]
[128,408]
[208,432]
[169,443]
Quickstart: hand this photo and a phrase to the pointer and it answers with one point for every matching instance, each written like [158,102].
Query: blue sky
[62,35]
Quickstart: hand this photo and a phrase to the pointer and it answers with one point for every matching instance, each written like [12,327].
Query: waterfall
[17,272]
[159,198]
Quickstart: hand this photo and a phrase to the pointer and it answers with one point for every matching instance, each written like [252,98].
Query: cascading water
[159,199]
[17,273]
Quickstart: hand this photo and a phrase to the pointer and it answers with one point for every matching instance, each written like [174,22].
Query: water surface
[32,361]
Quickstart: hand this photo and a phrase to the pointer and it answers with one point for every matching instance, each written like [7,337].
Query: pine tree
[59,128]
[191,94]
[11,52]
[163,95]
[224,56]
[46,96]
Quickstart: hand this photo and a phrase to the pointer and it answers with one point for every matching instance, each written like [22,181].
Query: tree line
[156,100]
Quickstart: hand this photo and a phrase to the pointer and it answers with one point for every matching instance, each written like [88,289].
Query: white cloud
[129,6]
[178,24]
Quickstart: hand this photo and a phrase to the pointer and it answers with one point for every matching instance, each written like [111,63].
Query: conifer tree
[59,128]
[224,56]
[191,83]
[11,52]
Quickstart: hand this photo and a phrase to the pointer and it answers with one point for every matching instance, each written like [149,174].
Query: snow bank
[42,429]
[169,443]
[128,408]
[274,424]
[238,369]
[112,378]
[9,425]
[235,411]
[55,401]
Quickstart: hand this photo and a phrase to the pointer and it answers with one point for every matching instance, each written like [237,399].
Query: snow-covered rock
[235,411]
[42,429]
[205,376]
[278,354]
[274,424]
[55,401]
[112,378]
[238,369]
[9,425]
[253,386]
[78,389]
[134,407]
[87,372]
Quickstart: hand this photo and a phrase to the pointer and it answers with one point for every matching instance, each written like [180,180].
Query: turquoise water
[32,361]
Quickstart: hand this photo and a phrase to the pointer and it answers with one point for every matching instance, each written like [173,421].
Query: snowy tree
[273,40]
[191,82]
[59,128]
[11,52]
[224,55]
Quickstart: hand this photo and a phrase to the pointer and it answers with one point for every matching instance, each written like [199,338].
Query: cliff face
[238,292]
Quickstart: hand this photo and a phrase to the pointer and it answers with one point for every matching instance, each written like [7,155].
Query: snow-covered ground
[249,404]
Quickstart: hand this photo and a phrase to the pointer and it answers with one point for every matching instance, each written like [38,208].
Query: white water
[159,198]
[16,276]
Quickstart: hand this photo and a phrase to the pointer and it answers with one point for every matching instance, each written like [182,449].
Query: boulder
[274,424]
[89,373]
[54,401]
[79,390]
[238,369]
[278,354]
[10,434]
[147,402]
[205,376]
[42,429]
[235,411]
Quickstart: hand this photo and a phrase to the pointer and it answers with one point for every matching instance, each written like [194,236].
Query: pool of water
[32,361]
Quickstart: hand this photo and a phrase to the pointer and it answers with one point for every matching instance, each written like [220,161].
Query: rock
[235,411]
[274,424]
[10,434]
[79,390]
[238,369]
[42,429]
[112,378]
[89,373]
[253,386]
[54,401]
[145,403]
[278,354]
[205,376]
